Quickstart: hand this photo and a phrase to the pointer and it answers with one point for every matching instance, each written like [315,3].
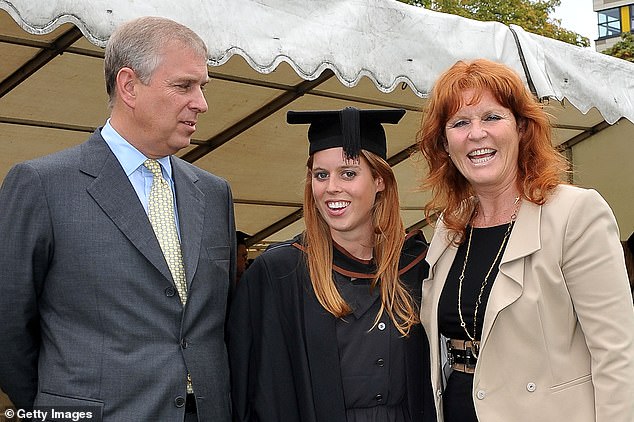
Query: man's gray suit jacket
[89,315]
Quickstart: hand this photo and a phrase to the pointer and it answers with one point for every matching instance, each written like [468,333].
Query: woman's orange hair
[540,166]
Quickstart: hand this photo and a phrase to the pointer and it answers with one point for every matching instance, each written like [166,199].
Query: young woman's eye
[349,174]
[320,175]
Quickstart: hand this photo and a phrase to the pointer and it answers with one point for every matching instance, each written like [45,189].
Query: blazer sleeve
[594,269]
[25,251]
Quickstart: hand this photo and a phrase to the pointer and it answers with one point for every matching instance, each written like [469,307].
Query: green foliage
[532,15]
[623,49]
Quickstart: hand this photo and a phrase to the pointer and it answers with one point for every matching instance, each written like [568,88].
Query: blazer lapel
[437,247]
[509,283]
[323,358]
[191,213]
[439,257]
[114,193]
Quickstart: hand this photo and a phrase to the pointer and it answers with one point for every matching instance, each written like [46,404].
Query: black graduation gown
[283,348]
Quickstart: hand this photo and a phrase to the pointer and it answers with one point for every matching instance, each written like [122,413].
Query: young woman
[325,327]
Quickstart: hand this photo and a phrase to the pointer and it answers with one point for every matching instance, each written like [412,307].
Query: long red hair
[389,235]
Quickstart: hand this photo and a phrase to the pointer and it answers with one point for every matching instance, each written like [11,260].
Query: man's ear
[126,85]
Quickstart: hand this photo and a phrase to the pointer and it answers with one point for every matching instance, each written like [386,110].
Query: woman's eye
[458,123]
[349,174]
[492,117]
[320,175]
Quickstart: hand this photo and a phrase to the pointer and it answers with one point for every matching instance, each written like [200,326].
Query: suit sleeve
[594,270]
[232,241]
[25,252]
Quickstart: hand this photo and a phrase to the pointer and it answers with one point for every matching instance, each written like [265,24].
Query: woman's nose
[476,130]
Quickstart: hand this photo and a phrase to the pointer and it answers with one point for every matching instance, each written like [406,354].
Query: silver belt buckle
[450,357]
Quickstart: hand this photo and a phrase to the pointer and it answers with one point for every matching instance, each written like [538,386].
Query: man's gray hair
[139,44]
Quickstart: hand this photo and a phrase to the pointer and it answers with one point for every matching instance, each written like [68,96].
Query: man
[103,308]
[242,254]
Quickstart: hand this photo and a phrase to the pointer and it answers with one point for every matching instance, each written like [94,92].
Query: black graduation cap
[350,128]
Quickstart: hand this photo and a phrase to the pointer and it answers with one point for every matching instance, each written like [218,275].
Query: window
[609,23]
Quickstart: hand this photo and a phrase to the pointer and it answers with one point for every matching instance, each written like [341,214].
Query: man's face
[167,108]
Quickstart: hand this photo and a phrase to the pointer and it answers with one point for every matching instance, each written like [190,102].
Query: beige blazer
[558,335]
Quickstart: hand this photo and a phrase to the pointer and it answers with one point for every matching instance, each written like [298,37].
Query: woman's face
[344,191]
[483,141]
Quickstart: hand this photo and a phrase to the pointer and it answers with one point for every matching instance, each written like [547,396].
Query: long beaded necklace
[486,278]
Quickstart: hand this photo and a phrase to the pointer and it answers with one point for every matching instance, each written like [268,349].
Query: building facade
[614,18]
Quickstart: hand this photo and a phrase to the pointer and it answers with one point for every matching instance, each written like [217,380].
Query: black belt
[190,404]
[463,355]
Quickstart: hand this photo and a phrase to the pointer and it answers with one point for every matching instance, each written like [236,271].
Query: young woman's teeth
[338,205]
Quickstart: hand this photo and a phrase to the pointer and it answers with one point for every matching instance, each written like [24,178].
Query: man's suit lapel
[113,192]
[191,214]
[509,283]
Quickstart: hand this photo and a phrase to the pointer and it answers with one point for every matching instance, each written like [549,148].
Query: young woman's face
[483,141]
[344,192]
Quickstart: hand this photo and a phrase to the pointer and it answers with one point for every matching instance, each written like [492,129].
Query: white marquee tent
[270,56]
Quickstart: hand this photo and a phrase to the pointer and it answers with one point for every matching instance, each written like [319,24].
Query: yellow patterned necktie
[161,214]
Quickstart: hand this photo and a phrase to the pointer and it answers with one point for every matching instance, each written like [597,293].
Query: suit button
[184,343]
[380,362]
[381,326]
[379,398]
[530,387]
[170,291]
[179,401]
[481,394]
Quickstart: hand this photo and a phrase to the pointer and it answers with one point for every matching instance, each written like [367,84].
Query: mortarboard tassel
[350,120]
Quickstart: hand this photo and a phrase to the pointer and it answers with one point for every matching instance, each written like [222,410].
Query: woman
[527,304]
[325,327]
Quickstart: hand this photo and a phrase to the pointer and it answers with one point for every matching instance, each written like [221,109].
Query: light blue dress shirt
[131,160]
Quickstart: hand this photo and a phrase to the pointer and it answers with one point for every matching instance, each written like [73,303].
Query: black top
[486,242]
[293,361]
[485,245]
[372,355]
